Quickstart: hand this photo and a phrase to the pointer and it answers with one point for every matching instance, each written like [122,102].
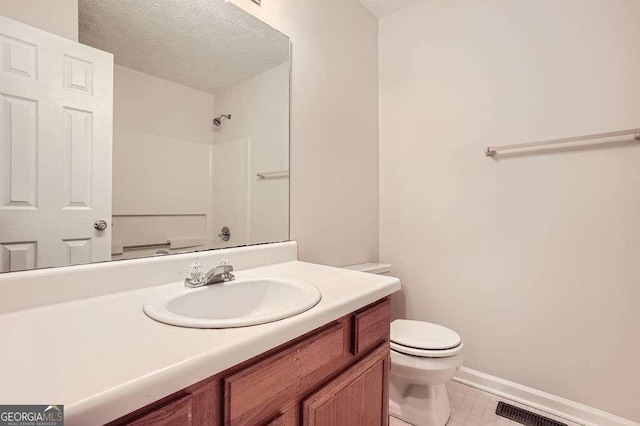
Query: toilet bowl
[424,357]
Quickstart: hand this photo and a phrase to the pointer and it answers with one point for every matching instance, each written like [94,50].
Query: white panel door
[56,119]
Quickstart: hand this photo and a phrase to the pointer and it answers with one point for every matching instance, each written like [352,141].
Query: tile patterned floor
[473,407]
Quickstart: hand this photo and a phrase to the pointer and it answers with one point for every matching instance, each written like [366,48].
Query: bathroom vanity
[107,362]
[336,374]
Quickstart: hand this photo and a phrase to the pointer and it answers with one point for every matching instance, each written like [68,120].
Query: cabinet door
[259,392]
[199,405]
[358,396]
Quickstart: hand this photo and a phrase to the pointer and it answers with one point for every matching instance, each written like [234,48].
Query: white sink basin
[237,303]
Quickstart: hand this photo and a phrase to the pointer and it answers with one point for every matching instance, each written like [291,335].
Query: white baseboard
[572,411]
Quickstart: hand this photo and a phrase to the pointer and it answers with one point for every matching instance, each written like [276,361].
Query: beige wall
[334,184]
[55,16]
[532,258]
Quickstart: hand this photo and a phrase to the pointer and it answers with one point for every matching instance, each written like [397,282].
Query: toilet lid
[423,335]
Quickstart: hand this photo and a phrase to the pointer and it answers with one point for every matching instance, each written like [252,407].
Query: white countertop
[103,357]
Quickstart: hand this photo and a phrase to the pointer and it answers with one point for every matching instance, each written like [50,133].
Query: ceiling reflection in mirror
[177,142]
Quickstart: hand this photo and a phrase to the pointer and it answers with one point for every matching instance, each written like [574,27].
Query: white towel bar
[492,150]
[272,175]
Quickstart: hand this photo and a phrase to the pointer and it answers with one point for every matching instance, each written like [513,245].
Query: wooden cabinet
[176,413]
[335,375]
[255,394]
[371,326]
[358,397]
[289,417]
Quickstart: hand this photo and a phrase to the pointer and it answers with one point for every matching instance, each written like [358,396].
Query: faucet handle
[224,262]
[196,273]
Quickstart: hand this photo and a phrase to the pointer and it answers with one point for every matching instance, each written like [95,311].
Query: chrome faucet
[220,273]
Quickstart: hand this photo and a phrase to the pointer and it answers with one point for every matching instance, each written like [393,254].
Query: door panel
[18,256]
[19,152]
[78,251]
[77,165]
[359,396]
[56,119]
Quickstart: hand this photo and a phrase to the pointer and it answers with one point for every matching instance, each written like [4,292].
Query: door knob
[100,225]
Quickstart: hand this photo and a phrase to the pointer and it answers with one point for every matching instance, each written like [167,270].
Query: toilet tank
[372,268]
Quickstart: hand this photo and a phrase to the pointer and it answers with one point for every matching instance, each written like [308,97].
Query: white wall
[55,16]
[532,258]
[260,114]
[230,191]
[334,153]
[170,124]
[152,105]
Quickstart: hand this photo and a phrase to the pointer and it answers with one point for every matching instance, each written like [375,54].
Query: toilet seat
[424,339]
[426,353]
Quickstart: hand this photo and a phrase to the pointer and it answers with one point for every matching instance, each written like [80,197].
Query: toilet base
[420,405]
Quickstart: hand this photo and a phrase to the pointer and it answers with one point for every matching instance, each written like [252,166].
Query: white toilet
[424,357]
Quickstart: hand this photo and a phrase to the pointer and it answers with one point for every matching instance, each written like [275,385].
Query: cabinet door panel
[198,405]
[358,397]
[257,393]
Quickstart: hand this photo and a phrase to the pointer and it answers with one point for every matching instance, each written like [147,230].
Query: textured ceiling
[382,8]
[208,45]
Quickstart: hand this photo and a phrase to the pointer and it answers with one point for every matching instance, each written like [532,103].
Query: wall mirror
[175,141]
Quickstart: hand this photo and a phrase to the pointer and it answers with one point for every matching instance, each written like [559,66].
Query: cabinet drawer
[257,393]
[372,326]
[175,413]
